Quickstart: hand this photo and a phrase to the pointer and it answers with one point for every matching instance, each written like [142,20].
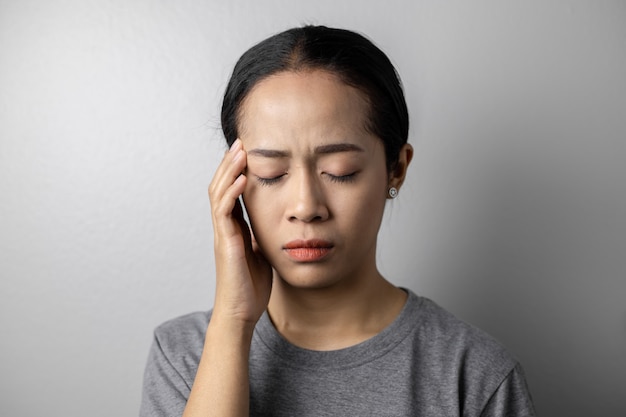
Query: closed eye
[269,181]
[342,178]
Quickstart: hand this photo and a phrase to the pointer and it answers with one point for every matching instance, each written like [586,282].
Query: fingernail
[234,145]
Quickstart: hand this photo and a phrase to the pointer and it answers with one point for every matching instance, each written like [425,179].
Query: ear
[398,174]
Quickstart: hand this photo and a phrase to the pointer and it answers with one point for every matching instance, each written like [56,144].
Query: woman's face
[316,179]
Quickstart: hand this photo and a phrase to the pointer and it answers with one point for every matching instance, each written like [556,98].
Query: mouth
[313,250]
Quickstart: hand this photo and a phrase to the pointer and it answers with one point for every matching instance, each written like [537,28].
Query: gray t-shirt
[426,363]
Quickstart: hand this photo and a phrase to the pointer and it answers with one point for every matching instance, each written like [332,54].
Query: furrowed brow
[268,153]
[338,147]
[319,150]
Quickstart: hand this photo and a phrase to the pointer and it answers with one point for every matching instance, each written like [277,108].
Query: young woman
[303,323]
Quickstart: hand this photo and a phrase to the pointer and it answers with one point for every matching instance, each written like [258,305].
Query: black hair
[349,55]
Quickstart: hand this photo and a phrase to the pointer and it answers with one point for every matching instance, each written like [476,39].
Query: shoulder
[458,356]
[188,326]
[453,336]
[172,364]
[181,339]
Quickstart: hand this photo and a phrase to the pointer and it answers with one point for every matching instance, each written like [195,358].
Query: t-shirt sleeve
[165,391]
[512,398]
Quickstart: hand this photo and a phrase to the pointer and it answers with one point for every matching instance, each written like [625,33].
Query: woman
[303,322]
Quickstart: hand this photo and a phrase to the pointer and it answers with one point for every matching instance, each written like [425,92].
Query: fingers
[229,169]
[227,185]
[243,277]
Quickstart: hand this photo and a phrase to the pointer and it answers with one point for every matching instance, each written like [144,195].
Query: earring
[393,192]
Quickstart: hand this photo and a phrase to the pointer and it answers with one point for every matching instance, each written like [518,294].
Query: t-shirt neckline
[348,357]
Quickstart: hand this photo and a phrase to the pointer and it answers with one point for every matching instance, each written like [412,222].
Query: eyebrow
[319,150]
[338,147]
[267,153]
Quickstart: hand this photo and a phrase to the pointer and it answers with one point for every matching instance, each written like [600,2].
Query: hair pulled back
[348,55]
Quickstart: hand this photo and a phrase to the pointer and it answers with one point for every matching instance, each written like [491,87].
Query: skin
[310,171]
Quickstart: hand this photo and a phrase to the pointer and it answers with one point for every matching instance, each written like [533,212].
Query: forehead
[311,105]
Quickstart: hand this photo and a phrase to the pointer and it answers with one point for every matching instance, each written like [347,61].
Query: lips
[313,250]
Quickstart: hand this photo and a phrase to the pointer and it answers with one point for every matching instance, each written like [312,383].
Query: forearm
[221,386]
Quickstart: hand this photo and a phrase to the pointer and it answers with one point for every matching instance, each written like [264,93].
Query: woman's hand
[244,277]
[244,282]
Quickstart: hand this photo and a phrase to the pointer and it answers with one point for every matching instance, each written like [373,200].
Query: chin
[307,280]
[319,280]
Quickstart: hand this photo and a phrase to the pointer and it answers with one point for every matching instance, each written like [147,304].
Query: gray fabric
[426,363]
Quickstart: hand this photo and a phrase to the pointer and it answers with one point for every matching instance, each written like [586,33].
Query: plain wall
[513,216]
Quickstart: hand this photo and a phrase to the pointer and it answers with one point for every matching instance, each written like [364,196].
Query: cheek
[364,205]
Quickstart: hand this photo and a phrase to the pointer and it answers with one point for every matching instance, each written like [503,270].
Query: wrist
[231,327]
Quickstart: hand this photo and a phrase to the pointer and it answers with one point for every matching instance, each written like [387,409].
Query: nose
[307,199]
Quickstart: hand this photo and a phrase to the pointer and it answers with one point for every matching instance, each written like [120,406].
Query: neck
[337,316]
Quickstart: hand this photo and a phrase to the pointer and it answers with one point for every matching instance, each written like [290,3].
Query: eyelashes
[342,178]
[339,179]
[269,181]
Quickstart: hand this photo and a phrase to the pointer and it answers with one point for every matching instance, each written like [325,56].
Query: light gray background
[513,216]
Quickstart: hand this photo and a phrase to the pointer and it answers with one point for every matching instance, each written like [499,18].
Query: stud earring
[393,192]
